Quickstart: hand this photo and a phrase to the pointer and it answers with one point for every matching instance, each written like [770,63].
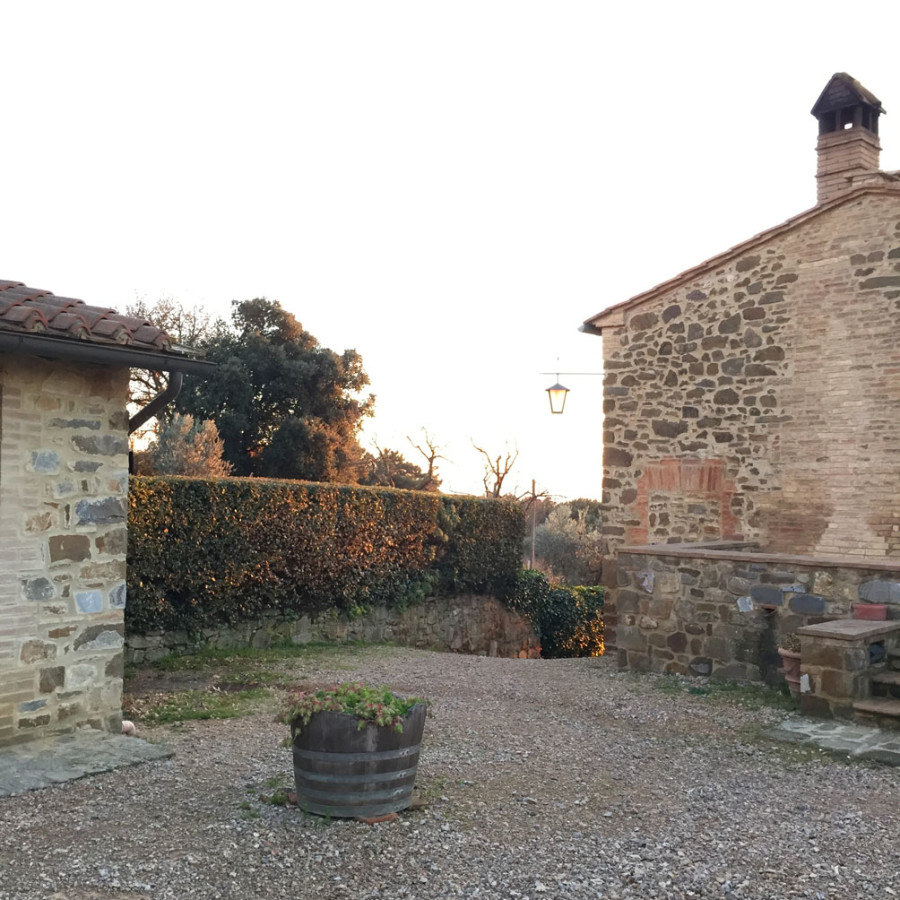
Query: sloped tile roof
[34,311]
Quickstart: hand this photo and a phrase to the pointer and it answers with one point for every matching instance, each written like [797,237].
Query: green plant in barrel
[378,705]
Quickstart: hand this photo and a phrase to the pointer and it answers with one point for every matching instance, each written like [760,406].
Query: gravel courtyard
[539,779]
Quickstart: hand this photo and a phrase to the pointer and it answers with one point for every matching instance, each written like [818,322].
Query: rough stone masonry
[752,397]
[63,502]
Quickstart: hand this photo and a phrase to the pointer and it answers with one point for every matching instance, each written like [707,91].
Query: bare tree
[496,469]
[390,468]
[432,453]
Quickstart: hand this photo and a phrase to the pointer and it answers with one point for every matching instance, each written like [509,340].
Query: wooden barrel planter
[343,771]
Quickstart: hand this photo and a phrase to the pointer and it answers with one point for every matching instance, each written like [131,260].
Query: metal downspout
[173,388]
[176,379]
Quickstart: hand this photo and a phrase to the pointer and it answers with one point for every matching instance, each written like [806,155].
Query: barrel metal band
[323,777]
[330,756]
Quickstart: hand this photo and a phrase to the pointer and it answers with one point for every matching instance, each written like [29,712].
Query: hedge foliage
[209,552]
[569,620]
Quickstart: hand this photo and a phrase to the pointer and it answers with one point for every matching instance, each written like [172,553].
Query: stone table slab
[850,629]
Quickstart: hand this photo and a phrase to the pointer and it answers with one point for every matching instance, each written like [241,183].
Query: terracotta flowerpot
[791,663]
[871,612]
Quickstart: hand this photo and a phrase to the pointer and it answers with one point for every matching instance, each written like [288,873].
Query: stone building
[64,428]
[755,398]
[756,395]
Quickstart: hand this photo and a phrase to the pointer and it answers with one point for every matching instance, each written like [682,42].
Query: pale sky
[448,188]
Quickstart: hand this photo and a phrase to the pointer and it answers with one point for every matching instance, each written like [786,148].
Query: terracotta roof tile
[33,310]
[24,317]
[74,326]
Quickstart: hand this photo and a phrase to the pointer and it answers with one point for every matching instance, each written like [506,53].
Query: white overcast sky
[449,188]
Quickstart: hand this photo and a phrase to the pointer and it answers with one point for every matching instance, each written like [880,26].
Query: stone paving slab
[40,764]
[857,741]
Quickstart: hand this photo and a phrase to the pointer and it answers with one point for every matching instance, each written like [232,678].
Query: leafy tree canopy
[586,508]
[188,448]
[571,544]
[285,406]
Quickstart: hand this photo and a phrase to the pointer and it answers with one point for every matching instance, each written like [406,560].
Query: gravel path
[539,778]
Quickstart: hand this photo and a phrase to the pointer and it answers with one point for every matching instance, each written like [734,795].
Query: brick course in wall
[844,155]
[63,490]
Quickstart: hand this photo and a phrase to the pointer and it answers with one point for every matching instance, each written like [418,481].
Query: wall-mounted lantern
[557,395]
[558,392]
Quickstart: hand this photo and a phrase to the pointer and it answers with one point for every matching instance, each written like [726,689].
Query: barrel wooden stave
[343,771]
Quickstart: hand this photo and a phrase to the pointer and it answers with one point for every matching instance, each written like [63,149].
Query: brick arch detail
[683,476]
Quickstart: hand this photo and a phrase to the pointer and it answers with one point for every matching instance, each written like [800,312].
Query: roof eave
[50,347]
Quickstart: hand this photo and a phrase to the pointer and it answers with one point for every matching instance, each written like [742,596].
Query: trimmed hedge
[203,553]
[569,620]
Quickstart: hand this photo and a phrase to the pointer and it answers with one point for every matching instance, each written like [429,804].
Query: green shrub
[208,552]
[569,620]
[481,545]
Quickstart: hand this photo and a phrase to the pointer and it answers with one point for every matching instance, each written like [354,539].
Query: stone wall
[759,398]
[465,624]
[717,609]
[63,488]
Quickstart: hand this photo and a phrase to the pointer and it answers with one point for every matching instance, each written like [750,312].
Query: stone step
[886,683]
[884,713]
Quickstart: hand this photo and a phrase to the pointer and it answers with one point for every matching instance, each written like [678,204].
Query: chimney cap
[843,91]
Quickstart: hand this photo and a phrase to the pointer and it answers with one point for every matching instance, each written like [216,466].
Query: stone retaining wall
[465,624]
[720,609]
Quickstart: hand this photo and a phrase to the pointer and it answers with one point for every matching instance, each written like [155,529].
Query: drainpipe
[164,398]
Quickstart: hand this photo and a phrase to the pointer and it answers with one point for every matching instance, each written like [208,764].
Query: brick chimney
[848,143]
